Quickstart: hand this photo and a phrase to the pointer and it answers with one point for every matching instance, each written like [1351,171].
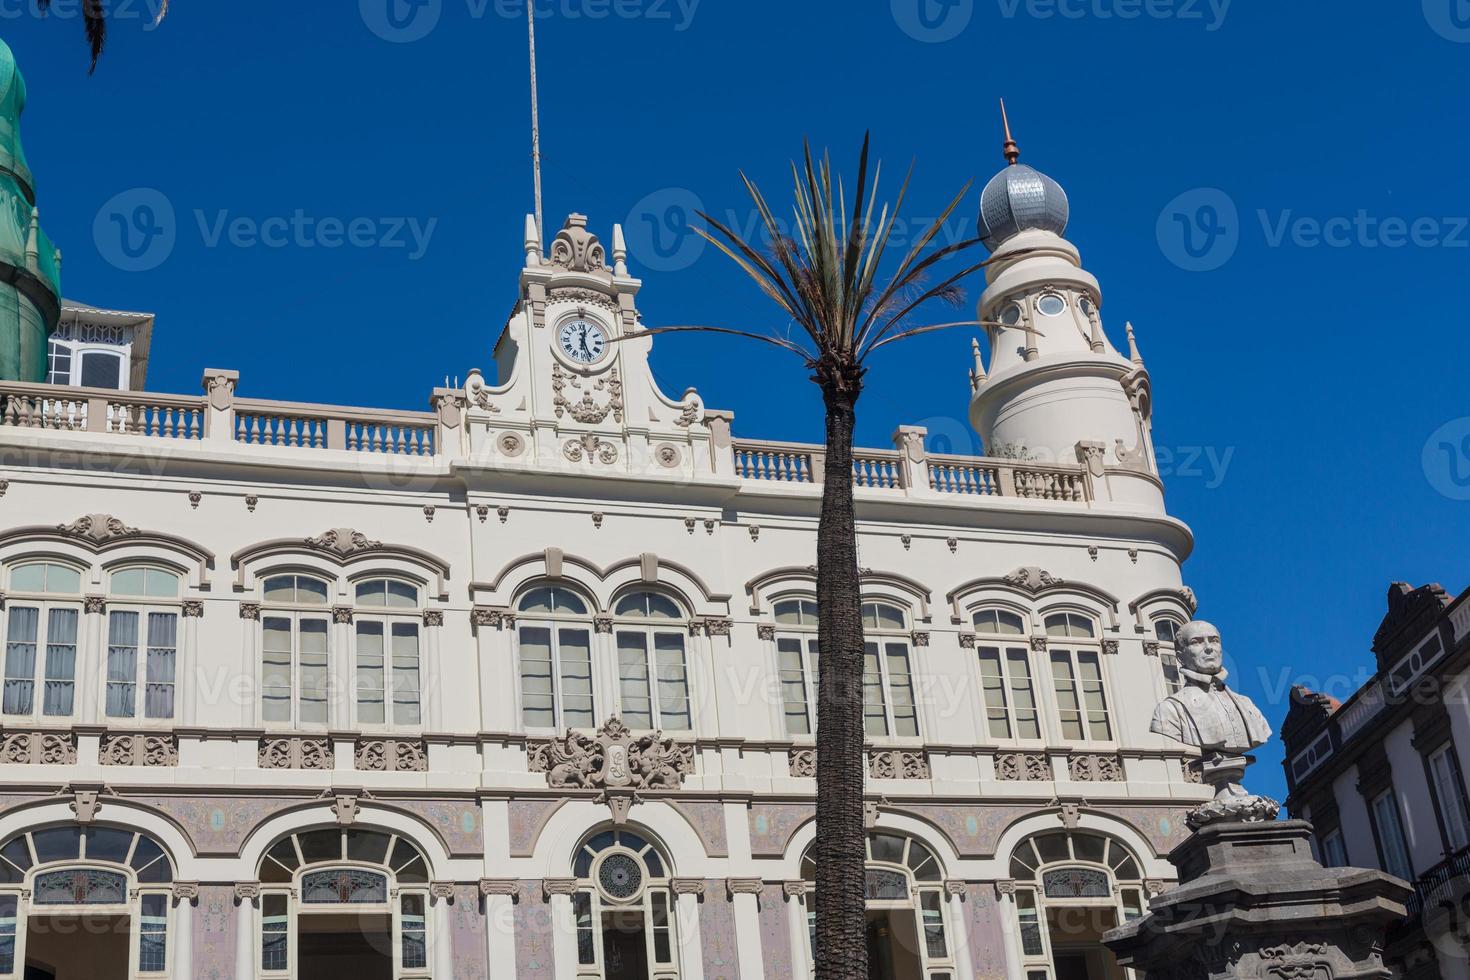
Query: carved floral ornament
[343,541]
[587,410]
[613,761]
[576,249]
[1032,579]
[97,528]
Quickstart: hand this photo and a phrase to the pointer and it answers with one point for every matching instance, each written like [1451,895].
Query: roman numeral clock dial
[582,340]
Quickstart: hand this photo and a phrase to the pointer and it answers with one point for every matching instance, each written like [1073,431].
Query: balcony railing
[1438,882]
[217,418]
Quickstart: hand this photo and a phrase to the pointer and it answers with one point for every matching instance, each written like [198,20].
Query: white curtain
[122,663]
[61,661]
[20,660]
[163,629]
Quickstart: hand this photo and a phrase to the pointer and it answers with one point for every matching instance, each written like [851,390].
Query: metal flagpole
[535,118]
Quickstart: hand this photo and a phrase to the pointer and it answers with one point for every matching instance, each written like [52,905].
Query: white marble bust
[1205,712]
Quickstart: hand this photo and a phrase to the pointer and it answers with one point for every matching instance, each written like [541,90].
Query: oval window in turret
[1051,304]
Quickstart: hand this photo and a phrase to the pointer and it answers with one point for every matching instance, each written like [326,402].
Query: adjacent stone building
[1381,774]
[520,686]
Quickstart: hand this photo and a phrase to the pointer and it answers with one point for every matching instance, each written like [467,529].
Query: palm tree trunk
[841,952]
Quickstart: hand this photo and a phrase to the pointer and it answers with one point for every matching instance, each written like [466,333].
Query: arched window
[1005,675]
[1166,632]
[43,612]
[623,908]
[1077,678]
[796,663]
[344,895]
[76,875]
[1070,889]
[653,672]
[142,642]
[908,935]
[554,641]
[386,623]
[295,630]
[888,687]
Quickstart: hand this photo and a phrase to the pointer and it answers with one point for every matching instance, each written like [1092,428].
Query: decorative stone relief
[85,804]
[442,890]
[954,887]
[576,249]
[898,764]
[492,616]
[344,807]
[1025,767]
[687,886]
[1032,579]
[920,638]
[247,891]
[433,617]
[138,750]
[295,753]
[250,610]
[498,886]
[38,748]
[343,542]
[482,511]
[765,631]
[94,603]
[1091,768]
[391,755]
[586,410]
[795,889]
[186,891]
[193,609]
[194,498]
[1192,771]
[342,615]
[1110,646]
[586,297]
[967,641]
[597,518]
[429,511]
[954,545]
[251,501]
[503,513]
[688,416]
[97,528]
[1151,647]
[719,626]
[744,886]
[591,448]
[802,763]
[614,761]
[1038,644]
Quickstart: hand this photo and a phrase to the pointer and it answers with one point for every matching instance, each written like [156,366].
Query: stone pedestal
[1253,903]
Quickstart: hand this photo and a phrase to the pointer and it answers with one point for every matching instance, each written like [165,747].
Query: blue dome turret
[1020,198]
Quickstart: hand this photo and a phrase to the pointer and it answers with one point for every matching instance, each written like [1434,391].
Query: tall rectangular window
[294,660]
[556,661]
[61,662]
[388,671]
[153,934]
[1391,842]
[1081,702]
[796,656]
[1334,852]
[156,635]
[1449,790]
[1010,700]
[889,707]
[20,659]
[662,676]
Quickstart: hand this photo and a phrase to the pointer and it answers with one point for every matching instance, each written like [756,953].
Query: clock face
[582,340]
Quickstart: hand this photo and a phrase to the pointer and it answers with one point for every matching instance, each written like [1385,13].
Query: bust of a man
[1205,712]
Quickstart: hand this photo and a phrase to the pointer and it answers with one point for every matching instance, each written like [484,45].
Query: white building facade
[521,687]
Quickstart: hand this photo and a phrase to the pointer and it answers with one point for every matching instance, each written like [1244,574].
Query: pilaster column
[796,892]
[185,894]
[442,892]
[433,669]
[89,672]
[341,705]
[249,686]
[745,896]
[563,924]
[500,928]
[219,416]
[687,893]
[247,894]
[959,935]
[187,665]
[1005,891]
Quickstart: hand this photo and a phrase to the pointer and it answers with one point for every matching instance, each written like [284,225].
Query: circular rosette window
[620,876]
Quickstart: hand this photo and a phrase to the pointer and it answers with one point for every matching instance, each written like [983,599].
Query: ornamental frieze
[342,541]
[614,761]
[119,749]
[586,409]
[97,528]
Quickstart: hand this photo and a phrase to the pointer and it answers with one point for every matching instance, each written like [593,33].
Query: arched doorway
[624,909]
[1071,887]
[908,935]
[350,902]
[85,903]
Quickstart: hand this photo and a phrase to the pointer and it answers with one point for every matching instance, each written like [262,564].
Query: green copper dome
[30,269]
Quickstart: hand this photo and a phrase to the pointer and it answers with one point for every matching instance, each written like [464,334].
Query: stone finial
[532,242]
[33,240]
[620,252]
[977,374]
[1133,354]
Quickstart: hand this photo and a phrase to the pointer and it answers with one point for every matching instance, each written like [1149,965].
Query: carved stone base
[1253,903]
[1243,808]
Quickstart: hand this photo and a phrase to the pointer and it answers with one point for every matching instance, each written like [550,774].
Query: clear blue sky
[1318,371]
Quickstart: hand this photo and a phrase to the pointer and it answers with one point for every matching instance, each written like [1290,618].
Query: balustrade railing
[778,462]
[1438,883]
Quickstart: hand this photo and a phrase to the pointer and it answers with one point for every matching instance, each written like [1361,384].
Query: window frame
[1168,652]
[295,612]
[45,603]
[1400,842]
[804,635]
[1454,824]
[1075,649]
[883,638]
[387,616]
[144,606]
[554,622]
[650,627]
[1006,647]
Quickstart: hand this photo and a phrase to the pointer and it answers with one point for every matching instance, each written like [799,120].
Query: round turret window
[620,875]
[1051,304]
[1011,315]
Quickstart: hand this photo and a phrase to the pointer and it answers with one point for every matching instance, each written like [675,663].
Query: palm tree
[94,18]
[826,279]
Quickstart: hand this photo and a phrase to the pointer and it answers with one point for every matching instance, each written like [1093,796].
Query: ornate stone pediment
[587,409]
[98,528]
[1032,579]
[614,761]
[342,541]
[576,249]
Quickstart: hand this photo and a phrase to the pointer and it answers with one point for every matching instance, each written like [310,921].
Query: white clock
[583,340]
